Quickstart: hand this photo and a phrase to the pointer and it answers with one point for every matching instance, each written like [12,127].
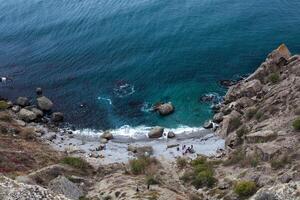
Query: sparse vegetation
[201,175]
[296,124]
[274,78]
[251,113]
[181,162]
[3,105]
[242,131]
[278,163]
[76,162]
[245,188]
[236,157]
[151,180]
[259,115]
[239,157]
[236,122]
[4,116]
[139,165]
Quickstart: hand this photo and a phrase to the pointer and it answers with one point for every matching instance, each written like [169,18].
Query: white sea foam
[133,132]
[124,90]
[105,99]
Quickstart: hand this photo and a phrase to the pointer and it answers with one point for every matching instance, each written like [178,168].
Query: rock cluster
[39,112]
[10,189]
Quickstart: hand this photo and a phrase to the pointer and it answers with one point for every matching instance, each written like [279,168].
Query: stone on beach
[107,135]
[156,132]
[44,103]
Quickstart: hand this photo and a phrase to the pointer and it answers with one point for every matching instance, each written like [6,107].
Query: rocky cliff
[259,119]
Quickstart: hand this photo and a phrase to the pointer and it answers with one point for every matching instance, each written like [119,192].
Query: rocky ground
[258,119]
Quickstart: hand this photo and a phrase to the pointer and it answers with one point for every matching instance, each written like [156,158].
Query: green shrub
[139,165]
[278,163]
[235,122]
[181,162]
[274,78]
[296,124]
[245,188]
[204,178]
[251,113]
[76,162]
[202,174]
[236,157]
[150,180]
[3,105]
[242,131]
[259,115]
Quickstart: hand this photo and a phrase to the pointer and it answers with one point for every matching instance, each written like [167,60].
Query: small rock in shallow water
[38,91]
[57,117]
[171,134]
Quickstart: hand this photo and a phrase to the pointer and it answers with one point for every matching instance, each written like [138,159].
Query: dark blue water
[135,52]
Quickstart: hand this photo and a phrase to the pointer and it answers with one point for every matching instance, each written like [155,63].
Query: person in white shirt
[5,79]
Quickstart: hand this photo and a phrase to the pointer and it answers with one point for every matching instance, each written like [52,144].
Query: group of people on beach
[185,150]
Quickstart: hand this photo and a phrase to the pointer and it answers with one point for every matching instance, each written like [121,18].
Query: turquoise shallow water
[115,56]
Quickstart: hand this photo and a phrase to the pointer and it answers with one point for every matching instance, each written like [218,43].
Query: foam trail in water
[105,99]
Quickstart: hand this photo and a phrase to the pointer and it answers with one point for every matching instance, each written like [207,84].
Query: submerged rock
[156,132]
[39,91]
[57,117]
[44,103]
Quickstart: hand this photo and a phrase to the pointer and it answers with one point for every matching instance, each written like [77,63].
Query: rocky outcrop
[156,132]
[61,185]
[256,120]
[10,190]
[288,191]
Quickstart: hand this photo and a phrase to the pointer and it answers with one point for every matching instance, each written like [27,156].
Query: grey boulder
[44,103]
[62,185]
[156,132]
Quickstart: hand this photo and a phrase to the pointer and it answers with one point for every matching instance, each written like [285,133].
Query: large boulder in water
[156,132]
[44,103]
[27,115]
[164,108]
